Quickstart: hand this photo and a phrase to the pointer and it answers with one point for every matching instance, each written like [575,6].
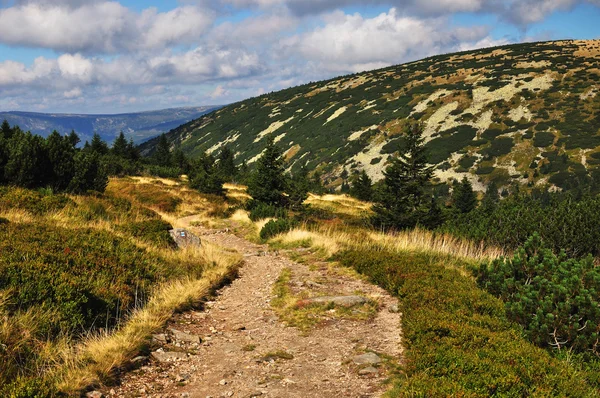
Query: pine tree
[133,152]
[97,145]
[298,189]
[401,200]
[463,196]
[435,216]
[89,174]
[268,183]
[119,147]
[226,166]
[61,155]
[204,176]
[162,153]
[5,130]
[27,164]
[74,139]
[491,197]
[362,187]
[181,161]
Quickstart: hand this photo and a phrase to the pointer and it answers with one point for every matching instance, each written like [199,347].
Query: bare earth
[239,328]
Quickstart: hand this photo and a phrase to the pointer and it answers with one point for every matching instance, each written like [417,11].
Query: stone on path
[94,394]
[185,337]
[369,358]
[368,371]
[168,356]
[344,301]
[184,238]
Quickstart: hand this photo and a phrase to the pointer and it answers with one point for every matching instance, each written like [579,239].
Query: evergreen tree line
[30,161]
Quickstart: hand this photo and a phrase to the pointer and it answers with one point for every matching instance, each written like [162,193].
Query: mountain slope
[139,126]
[526,112]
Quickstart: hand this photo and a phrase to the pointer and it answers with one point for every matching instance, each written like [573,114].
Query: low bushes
[458,339]
[276,227]
[152,231]
[34,202]
[555,299]
[259,211]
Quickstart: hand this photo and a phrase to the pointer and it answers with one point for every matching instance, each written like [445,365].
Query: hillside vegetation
[85,279]
[525,112]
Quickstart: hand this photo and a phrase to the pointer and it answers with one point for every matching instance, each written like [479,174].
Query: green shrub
[543,139]
[276,227]
[260,211]
[555,299]
[458,339]
[32,201]
[152,231]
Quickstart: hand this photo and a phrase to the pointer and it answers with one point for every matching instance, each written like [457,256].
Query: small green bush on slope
[458,340]
[555,299]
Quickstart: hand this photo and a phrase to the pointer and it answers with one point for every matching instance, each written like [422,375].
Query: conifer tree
[120,146]
[97,145]
[5,130]
[162,153]
[89,173]
[27,164]
[401,201]
[204,176]
[181,161]
[491,197]
[362,187]
[268,183]
[133,152]
[463,196]
[226,166]
[298,189]
[61,155]
[74,139]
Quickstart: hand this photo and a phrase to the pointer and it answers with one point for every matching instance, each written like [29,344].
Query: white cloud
[74,93]
[352,43]
[218,92]
[100,27]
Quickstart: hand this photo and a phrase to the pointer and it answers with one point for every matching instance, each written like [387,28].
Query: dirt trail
[247,351]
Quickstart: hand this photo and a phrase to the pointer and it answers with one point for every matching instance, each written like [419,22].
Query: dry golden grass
[241,216]
[98,355]
[153,180]
[16,215]
[330,241]
[342,204]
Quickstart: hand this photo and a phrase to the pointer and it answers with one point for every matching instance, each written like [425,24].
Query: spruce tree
[74,139]
[204,176]
[362,187]
[98,146]
[162,153]
[5,130]
[226,165]
[401,201]
[119,147]
[27,164]
[89,173]
[298,189]
[61,155]
[268,183]
[491,197]
[463,196]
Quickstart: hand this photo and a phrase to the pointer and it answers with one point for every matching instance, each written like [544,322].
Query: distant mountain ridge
[140,126]
[527,112]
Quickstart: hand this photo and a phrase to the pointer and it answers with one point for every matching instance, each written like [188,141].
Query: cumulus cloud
[352,43]
[99,27]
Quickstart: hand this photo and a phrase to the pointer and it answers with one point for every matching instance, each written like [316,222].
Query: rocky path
[239,346]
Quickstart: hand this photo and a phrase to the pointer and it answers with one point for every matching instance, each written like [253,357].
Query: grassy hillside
[84,280]
[526,112]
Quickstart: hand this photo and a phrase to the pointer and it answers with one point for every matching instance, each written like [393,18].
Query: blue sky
[98,56]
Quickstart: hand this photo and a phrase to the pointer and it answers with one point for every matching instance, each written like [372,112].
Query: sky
[96,56]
